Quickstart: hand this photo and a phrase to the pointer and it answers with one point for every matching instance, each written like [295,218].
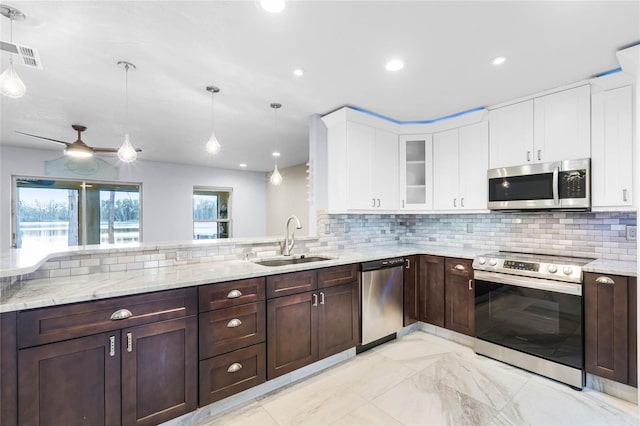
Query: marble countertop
[57,291]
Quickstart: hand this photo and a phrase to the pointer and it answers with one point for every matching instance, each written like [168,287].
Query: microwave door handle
[556,191]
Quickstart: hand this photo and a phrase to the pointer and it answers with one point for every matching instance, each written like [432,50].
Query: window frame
[229,221]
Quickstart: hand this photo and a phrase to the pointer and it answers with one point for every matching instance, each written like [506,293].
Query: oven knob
[493,262]
[482,260]
[552,269]
[567,270]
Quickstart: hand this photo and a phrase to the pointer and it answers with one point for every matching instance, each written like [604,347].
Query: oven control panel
[521,266]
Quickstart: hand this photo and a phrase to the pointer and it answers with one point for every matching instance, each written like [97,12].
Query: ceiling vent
[24,55]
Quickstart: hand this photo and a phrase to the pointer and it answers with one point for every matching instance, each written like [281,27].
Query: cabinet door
[338,324]
[384,170]
[474,161]
[416,172]
[60,383]
[431,290]
[459,297]
[445,170]
[511,135]
[612,148]
[606,326]
[360,151]
[562,129]
[292,333]
[159,371]
[411,280]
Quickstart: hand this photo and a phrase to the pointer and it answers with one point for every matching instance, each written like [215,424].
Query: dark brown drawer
[47,325]
[231,373]
[226,330]
[456,266]
[295,282]
[232,293]
[337,275]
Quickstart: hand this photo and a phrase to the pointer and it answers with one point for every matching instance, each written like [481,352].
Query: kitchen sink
[290,260]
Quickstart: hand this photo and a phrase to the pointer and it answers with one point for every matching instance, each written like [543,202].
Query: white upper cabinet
[554,127]
[562,128]
[460,160]
[511,132]
[612,148]
[416,172]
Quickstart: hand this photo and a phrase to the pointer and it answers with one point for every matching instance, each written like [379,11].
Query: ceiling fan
[77,149]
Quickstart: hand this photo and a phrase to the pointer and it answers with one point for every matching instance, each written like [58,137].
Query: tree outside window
[211,213]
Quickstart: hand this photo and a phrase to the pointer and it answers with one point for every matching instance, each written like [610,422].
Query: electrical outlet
[469,228]
[631,232]
[183,255]
[346,228]
[327,228]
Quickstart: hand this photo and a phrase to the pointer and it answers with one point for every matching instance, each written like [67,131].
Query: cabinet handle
[454,202]
[234,294]
[462,202]
[459,267]
[236,366]
[234,323]
[315,299]
[378,202]
[528,156]
[407,264]
[539,154]
[604,280]
[470,285]
[129,342]
[321,298]
[112,345]
[624,195]
[374,202]
[121,314]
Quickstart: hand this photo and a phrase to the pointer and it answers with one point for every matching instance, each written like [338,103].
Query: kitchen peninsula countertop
[44,292]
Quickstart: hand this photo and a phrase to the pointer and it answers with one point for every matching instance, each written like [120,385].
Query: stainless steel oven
[555,185]
[529,313]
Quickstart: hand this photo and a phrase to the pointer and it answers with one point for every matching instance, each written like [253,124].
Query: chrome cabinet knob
[493,262]
[568,270]
[552,269]
[482,260]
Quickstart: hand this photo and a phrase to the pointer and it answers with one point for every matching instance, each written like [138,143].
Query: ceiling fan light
[78,152]
[273,6]
[10,83]
[126,153]
[213,146]
[276,177]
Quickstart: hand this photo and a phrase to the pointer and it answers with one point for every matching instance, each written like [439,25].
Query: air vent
[23,55]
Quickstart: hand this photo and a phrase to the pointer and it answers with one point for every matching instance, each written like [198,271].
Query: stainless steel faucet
[289,239]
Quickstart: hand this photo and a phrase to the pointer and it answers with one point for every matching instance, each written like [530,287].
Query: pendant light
[213,146]
[126,152]
[276,177]
[10,83]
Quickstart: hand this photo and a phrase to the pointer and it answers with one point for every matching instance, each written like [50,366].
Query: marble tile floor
[422,379]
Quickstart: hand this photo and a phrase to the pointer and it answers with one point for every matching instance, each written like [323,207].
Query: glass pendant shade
[276,177]
[10,83]
[213,146]
[126,152]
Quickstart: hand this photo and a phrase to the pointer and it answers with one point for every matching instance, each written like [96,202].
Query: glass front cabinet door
[416,176]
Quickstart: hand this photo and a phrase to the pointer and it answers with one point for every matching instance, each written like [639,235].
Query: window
[211,213]
[68,213]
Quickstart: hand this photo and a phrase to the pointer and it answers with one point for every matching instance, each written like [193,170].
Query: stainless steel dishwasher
[381,303]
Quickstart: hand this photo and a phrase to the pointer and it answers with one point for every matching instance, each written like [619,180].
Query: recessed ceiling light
[276,154]
[394,65]
[243,165]
[498,60]
[273,6]
[298,72]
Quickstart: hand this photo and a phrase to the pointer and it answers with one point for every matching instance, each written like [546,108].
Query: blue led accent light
[609,72]
[402,123]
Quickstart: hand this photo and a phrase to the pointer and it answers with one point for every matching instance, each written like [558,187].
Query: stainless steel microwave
[554,185]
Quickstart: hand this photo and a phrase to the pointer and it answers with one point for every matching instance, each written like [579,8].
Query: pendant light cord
[126,96]
[212,112]
[11,16]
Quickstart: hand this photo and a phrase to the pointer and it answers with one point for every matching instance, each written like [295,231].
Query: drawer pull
[604,280]
[470,284]
[234,323]
[459,267]
[121,314]
[112,345]
[236,366]
[234,294]
[129,342]
[321,298]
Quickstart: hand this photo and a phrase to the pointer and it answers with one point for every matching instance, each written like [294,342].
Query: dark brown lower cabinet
[411,282]
[8,369]
[431,288]
[459,296]
[611,327]
[338,319]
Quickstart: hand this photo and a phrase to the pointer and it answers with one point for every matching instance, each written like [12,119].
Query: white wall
[286,199]
[166,193]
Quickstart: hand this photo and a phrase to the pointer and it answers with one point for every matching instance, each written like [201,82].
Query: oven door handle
[528,282]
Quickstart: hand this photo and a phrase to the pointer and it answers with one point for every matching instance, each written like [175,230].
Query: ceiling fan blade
[105,150]
[42,137]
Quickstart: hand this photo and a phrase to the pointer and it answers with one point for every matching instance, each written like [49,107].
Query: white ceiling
[180,47]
